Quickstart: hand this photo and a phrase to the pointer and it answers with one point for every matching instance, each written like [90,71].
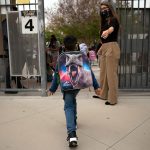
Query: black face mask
[105,14]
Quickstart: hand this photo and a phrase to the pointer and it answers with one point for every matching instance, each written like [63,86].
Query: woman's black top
[114,35]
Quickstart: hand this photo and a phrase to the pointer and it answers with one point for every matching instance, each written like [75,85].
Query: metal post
[41,41]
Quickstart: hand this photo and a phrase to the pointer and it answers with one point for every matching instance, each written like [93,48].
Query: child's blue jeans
[70,108]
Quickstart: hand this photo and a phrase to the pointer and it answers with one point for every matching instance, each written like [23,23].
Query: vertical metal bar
[143,42]
[131,41]
[41,42]
[35,4]
[146,49]
[119,14]
[30,6]
[148,52]
[123,19]
[23,7]
[147,69]
[124,48]
[142,47]
[126,52]
[126,42]
[145,56]
[137,48]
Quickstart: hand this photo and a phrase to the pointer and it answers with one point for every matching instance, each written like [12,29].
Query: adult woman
[109,53]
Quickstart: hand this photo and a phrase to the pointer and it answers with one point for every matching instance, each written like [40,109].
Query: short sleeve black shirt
[114,35]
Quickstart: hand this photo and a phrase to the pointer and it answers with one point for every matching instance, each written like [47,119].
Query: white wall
[3,9]
[138,3]
[141,4]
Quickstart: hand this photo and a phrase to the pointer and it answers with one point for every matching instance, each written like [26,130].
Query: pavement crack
[20,118]
[93,138]
[131,131]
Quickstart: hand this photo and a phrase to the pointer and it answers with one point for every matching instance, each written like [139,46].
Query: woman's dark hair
[112,10]
[70,42]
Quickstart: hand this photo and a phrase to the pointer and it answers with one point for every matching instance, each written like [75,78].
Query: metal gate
[22,53]
[134,70]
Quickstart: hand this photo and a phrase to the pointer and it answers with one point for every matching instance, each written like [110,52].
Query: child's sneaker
[72,138]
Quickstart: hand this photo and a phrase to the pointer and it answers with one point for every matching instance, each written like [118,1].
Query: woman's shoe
[108,103]
[96,96]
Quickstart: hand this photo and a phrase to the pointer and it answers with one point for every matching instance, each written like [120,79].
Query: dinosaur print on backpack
[74,71]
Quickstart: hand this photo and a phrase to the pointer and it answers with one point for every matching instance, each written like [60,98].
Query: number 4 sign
[29,22]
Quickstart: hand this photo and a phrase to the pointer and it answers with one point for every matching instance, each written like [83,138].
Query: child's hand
[49,93]
[98,91]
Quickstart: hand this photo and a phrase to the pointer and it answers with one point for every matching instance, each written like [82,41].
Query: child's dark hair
[70,43]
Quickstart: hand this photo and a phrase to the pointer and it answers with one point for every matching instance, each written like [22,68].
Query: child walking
[69,96]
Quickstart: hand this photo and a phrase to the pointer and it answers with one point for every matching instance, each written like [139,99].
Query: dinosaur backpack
[74,71]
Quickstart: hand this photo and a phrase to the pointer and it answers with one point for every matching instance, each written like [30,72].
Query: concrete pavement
[38,123]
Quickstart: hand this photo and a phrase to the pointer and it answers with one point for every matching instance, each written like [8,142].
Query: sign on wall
[23,1]
[29,22]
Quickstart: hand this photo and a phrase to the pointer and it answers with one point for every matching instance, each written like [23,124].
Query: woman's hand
[105,34]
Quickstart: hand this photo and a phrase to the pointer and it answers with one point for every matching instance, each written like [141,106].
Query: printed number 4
[29,25]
